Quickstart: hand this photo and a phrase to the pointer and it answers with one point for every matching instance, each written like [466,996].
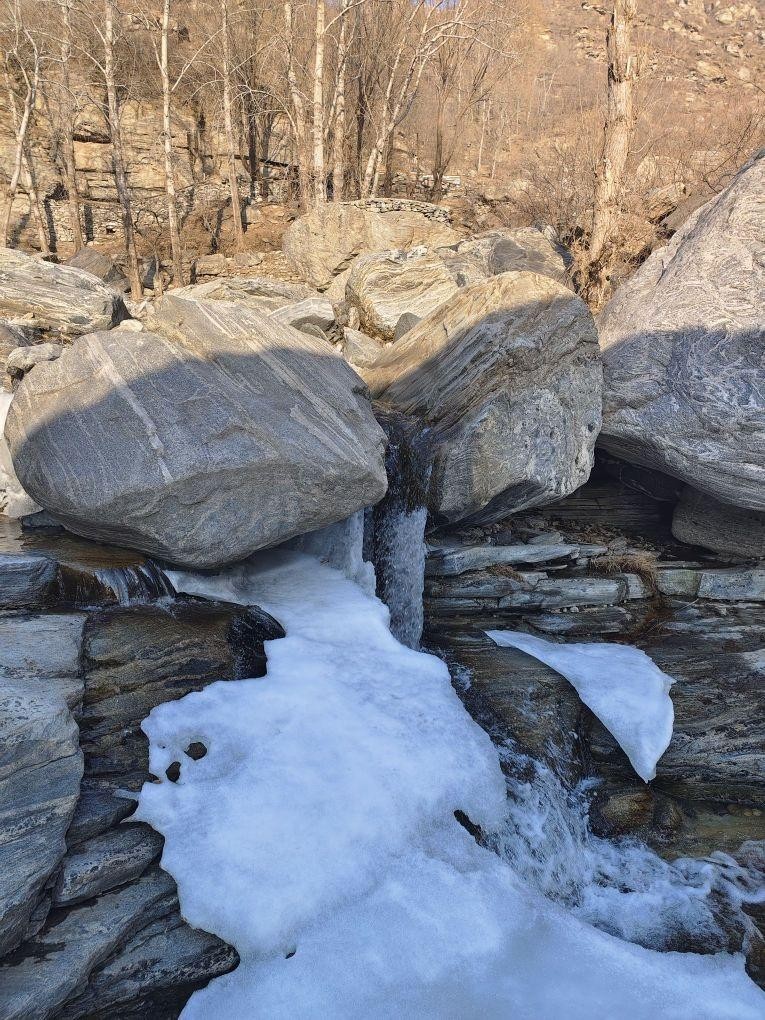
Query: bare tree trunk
[118,156]
[437,191]
[35,206]
[265,148]
[167,145]
[228,124]
[319,173]
[69,163]
[618,130]
[298,105]
[338,160]
[21,129]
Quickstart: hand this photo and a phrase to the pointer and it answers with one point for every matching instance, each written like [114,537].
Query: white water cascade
[318,836]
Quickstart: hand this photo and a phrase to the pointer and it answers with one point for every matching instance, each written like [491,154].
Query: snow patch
[623,687]
[318,836]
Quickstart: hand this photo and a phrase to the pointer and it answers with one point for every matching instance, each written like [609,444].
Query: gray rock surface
[700,519]
[325,241]
[507,375]
[138,657]
[217,434]
[103,266]
[260,293]
[523,249]
[104,862]
[59,960]
[154,974]
[40,771]
[682,350]
[96,811]
[11,337]
[314,316]
[385,287]
[359,350]
[61,300]
[22,359]
[41,651]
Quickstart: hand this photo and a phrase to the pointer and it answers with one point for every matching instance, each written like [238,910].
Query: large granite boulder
[261,293]
[386,286]
[54,299]
[683,344]
[217,434]
[323,242]
[507,375]
[103,266]
[523,249]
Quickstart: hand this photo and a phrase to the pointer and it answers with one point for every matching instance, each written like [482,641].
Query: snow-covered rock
[623,687]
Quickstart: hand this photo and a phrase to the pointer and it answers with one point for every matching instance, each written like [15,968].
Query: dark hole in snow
[290,954]
[472,828]
[173,771]
[196,750]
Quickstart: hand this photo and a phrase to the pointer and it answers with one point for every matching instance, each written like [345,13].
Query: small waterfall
[144,582]
[121,584]
[619,885]
[395,535]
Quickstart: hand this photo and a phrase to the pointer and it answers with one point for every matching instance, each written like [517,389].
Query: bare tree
[64,122]
[228,125]
[622,71]
[22,66]
[118,153]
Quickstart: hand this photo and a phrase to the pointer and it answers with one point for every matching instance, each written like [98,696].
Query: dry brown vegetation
[172,120]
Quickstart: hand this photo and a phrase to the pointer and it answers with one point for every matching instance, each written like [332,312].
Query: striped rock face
[683,344]
[216,432]
[507,375]
[54,300]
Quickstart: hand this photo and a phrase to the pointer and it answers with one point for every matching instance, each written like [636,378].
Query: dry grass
[641,563]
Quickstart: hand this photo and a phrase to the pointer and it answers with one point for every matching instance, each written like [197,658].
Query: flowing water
[321,832]
[395,538]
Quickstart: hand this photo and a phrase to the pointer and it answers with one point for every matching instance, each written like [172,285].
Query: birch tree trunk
[167,144]
[319,174]
[299,120]
[228,125]
[118,155]
[338,154]
[69,163]
[21,127]
[618,129]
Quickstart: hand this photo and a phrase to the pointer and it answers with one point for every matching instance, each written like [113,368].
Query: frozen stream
[317,835]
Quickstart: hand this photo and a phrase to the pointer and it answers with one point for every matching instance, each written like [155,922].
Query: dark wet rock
[40,771]
[96,811]
[104,862]
[139,657]
[512,694]
[154,974]
[55,966]
[50,569]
